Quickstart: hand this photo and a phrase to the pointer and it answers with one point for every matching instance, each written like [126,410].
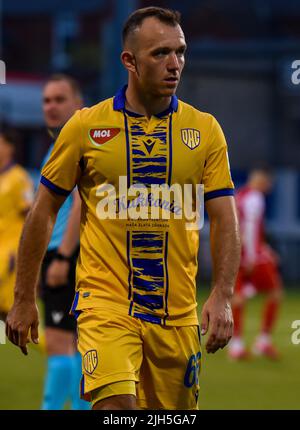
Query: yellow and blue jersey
[143,267]
[16,196]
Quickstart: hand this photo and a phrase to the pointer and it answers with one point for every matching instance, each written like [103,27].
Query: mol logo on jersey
[90,361]
[98,136]
[190,137]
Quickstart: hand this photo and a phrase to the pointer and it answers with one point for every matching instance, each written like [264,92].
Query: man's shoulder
[188,110]
[89,114]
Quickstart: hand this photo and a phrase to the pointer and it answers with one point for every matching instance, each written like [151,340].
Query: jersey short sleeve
[61,172]
[216,176]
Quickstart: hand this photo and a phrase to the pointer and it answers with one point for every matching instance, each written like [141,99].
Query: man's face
[267,183]
[263,181]
[159,51]
[59,103]
[6,150]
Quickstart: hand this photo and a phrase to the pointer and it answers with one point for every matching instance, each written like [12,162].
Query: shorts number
[192,371]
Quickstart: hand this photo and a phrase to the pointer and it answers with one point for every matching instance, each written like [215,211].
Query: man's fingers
[212,340]
[229,331]
[13,336]
[18,336]
[204,322]
[23,339]
[24,350]
[35,332]
[9,333]
[218,336]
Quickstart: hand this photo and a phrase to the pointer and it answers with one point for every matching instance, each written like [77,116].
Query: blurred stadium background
[239,68]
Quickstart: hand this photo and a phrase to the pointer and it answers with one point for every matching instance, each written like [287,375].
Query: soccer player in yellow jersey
[139,334]
[16,196]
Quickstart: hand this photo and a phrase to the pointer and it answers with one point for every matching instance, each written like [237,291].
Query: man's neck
[145,104]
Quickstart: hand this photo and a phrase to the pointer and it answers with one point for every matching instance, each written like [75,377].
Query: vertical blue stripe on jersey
[130,308]
[128,185]
[127,149]
[167,277]
[129,265]
[170,150]
[167,235]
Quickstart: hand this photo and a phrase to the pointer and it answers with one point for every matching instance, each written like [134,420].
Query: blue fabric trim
[170,150]
[74,305]
[54,187]
[120,99]
[147,317]
[167,279]
[82,386]
[130,270]
[127,150]
[219,193]
[172,108]
[174,103]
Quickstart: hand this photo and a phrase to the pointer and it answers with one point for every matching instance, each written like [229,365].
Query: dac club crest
[90,361]
[190,137]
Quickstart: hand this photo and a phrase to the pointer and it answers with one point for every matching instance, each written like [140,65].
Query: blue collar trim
[120,99]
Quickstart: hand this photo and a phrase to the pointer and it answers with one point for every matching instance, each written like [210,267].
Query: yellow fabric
[164,362]
[146,269]
[7,278]
[115,389]
[16,195]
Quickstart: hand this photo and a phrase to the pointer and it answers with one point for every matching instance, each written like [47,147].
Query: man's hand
[22,318]
[217,318]
[57,273]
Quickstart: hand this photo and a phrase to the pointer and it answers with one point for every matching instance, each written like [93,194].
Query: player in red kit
[258,270]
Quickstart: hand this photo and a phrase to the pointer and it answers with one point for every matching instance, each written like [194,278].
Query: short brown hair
[135,20]
[74,84]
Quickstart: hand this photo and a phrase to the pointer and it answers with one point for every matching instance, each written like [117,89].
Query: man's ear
[128,61]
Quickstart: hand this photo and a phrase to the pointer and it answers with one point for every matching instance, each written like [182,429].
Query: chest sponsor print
[99,136]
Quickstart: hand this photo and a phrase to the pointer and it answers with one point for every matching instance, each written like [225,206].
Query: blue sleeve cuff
[218,193]
[53,187]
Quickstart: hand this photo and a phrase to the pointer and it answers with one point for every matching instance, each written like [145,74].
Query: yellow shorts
[125,355]
[7,278]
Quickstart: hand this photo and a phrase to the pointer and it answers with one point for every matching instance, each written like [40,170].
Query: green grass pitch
[256,384]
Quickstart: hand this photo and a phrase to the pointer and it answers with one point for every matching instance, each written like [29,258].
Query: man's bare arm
[57,273]
[71,236]
[225,251]
[34,240]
